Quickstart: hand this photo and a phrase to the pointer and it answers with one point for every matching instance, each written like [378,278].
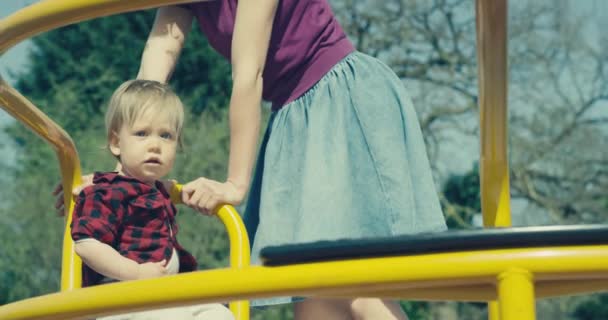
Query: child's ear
[115,144]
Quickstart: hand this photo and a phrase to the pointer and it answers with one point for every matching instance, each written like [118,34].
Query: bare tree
[558,93]
[560,139]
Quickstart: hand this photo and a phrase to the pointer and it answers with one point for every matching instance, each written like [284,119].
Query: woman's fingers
[206,195]
[59,204]
[196,195]
[58,192]
[58,189]
[204,203]
[87,180]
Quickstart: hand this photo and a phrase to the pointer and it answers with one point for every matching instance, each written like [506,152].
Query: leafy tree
[462,192]
[558,85]
[593,309]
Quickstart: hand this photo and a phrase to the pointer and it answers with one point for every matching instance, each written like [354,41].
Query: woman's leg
[356,309]
[326,309]
[374,308]
[211,311]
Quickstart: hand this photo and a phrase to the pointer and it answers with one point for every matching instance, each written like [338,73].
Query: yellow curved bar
[239,252]
[336,278]
[50,14]
[492,57]
[25,112]
[239,244]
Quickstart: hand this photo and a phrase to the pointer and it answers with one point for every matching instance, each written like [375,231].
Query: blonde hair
[136,97]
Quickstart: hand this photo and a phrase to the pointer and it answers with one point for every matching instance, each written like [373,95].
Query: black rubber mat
[448,241]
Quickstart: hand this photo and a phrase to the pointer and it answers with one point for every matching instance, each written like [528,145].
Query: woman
[343,155]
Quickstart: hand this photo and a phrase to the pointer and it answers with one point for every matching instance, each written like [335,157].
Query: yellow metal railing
[50,14]
[24,111]
[471,276]
[239,246]
[515,277]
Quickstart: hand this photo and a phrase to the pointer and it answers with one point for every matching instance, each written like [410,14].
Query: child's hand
[205,195]
[151,269]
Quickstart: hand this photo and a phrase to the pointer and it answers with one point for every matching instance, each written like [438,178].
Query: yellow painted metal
[493,310]
[336,278]
[50,14]
[491,24]
[572,286]
[175,193]
[475,290]
[25,112]
[239,245]
[492,58]
[516,295]
[553,268]
[239,252]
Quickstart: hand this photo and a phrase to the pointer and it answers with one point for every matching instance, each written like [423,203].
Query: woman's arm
[252,31]
[250,41]
[165,43]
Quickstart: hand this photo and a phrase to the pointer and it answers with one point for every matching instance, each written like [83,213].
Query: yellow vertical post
[492,58]
[240,254]
[493,310]
[516,295]
[71,265]
[491,24]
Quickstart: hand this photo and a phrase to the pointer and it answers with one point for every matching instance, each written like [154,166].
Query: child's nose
[154,144]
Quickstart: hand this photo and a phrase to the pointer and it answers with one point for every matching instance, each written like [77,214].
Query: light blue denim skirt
[345,160]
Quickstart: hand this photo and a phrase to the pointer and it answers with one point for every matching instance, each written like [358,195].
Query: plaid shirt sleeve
[97,215]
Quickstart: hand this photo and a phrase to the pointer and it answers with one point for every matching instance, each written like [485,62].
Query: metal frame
[515,277]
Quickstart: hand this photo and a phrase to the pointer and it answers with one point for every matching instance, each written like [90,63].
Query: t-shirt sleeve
[97,215]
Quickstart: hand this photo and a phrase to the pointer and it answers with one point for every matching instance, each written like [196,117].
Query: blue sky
[15,58]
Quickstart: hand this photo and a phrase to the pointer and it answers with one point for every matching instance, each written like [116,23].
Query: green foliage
[463,192]
[595,308]
[416,310]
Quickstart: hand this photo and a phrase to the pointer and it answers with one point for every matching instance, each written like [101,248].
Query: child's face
[146,149]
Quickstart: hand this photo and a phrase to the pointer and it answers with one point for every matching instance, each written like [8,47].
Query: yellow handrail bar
[50,14]
[416,276]
[71,278]
[240,255]
[25,112]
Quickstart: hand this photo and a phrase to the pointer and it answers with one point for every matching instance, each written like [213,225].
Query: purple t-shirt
[306,42]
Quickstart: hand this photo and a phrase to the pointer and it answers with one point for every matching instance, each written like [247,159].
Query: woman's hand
[205,195]
[87,180]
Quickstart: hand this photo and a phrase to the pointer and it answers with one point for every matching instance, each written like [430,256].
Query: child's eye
[140,133]
[166,135]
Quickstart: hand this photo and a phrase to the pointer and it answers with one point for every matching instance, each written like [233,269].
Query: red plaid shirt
[134,218]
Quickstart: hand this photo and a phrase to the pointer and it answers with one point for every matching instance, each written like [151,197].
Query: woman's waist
[285,84]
